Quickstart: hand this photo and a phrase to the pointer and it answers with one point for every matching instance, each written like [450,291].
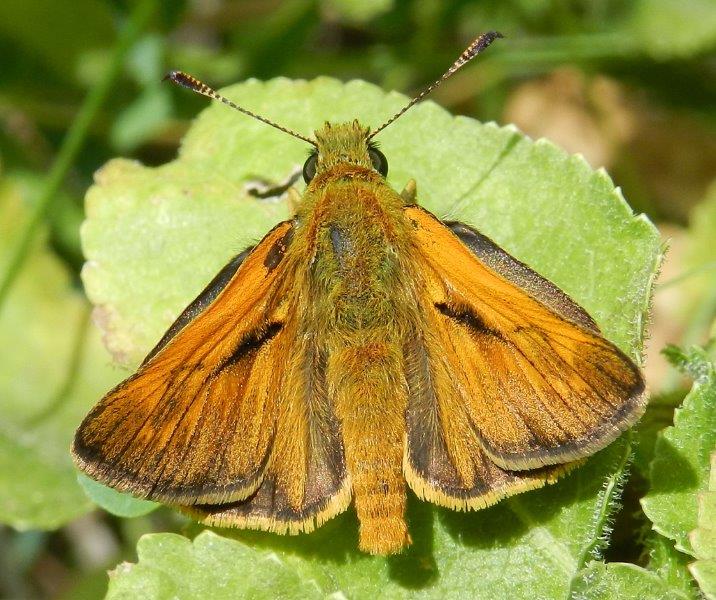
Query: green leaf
[674,28]
[155,236]
[52,371]
[670,565]
[703,538]
[622,580]
[356,11]
[659,415]
[680,468]
[171,566]
[122,505]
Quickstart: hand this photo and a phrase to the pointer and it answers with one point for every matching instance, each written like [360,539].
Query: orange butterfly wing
[219,412]
[305,482]
[509,376]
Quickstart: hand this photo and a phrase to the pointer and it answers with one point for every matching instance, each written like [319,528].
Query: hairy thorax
[356,234]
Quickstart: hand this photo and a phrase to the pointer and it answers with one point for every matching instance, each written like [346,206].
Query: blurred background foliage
[630,84]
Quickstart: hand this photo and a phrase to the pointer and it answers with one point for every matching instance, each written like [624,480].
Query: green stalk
[73,142]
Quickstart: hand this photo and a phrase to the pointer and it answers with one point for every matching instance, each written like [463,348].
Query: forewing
[517,370]
[197,421]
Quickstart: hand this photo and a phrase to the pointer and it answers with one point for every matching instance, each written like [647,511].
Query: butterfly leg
[410,192]
[293,200]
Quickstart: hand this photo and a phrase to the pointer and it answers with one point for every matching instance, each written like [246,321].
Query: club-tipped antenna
[475,48]
[192,83]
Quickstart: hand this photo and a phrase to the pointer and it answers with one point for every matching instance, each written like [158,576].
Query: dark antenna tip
[178,77]
[476,47]
[480,44]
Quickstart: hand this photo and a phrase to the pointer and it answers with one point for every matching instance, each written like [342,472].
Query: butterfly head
[343,144]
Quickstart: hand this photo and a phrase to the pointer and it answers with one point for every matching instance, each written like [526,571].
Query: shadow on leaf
[680,476]
[416,567]
[333,542]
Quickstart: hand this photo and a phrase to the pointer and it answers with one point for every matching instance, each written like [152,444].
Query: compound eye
[378,160]
[309,167]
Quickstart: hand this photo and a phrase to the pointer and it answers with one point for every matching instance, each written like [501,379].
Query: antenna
[192,83]
[475,48]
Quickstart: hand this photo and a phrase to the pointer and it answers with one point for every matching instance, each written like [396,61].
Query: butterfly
[361,348]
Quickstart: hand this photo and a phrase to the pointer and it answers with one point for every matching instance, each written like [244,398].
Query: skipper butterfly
[361,348]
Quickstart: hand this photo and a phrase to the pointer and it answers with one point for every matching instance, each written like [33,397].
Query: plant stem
[73,142]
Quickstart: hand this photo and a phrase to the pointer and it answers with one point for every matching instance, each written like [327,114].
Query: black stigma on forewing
[252,342]
[277,251]
[469,320]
